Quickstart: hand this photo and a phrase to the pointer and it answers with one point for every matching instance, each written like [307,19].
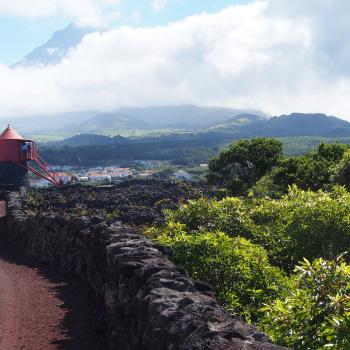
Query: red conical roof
[10,134]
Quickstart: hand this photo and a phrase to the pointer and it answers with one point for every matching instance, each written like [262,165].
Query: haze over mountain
[184,116]
[173,117]
[61,122]
[56,47]
[102,123]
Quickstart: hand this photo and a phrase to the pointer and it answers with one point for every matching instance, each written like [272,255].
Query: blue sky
[20,34]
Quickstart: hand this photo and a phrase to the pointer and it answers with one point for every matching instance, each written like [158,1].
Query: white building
[120,173]
[146,174]
[83,178]
[64,177]
[99,177]
[183,175]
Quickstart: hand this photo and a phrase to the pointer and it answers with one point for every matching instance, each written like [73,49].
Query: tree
[341,172]
[332,152]
[243,163]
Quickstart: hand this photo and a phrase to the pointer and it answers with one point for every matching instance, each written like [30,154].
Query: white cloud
[158,5]
[268,55]
[83,12]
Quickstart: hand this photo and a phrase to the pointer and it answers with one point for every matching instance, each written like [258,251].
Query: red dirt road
[45,310]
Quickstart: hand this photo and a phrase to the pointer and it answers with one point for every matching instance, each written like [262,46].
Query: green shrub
[300,224]
[303,224]
[315,312]
[239,270]
[229,215]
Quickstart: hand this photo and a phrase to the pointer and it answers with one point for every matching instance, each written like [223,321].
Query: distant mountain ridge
[240,126]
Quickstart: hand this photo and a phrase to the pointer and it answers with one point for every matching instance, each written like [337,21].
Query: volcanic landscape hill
[295,124]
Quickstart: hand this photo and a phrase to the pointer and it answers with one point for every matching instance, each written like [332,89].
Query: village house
[146,174]
[118,173]
[63,177]
[96,176]
[183,175]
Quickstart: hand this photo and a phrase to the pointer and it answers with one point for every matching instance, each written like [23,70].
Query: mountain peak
[56,48]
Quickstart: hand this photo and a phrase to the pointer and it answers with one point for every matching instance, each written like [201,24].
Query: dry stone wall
[2,219]
[151,303]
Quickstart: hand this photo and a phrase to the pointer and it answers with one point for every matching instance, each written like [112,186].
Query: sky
[277,56]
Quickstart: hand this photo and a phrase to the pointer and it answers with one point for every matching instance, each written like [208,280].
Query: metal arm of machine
[47,176]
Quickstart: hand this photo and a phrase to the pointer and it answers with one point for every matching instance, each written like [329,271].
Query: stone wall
[151,303]
[2,219]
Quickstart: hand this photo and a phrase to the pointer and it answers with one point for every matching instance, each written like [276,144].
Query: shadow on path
[80,318]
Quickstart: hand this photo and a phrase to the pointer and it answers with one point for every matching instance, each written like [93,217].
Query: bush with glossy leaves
[315,312]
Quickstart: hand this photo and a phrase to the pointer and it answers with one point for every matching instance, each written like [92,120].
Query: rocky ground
[136,202]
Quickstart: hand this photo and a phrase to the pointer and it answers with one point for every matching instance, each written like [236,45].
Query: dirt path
[45,310]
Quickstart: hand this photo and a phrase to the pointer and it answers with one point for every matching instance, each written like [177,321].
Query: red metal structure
[14,149]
